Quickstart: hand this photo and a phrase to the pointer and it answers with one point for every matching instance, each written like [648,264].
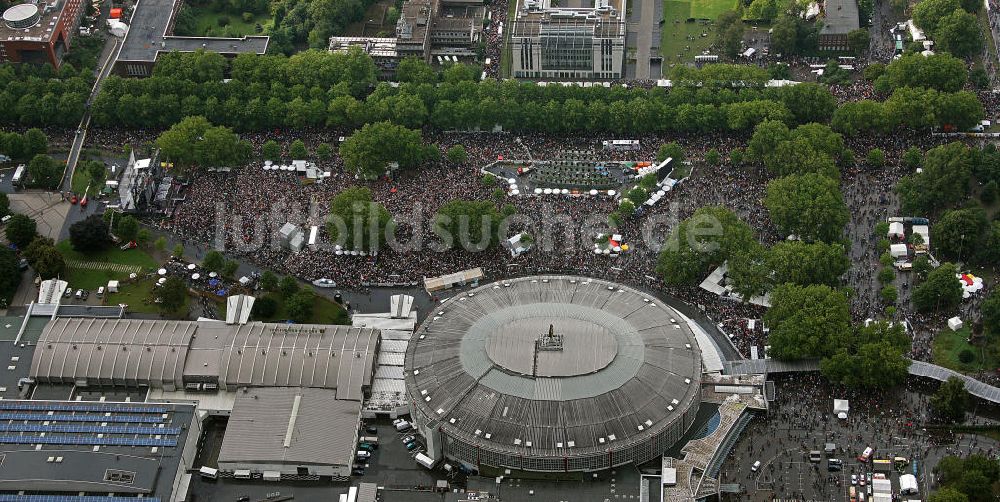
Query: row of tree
[23,146]
[36,95]
[316,89]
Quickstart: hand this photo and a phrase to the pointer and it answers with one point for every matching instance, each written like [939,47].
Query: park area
[688,27]
[93,270]
[953,350]
[208,21]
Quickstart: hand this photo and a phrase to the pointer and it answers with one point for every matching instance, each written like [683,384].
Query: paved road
[104,66]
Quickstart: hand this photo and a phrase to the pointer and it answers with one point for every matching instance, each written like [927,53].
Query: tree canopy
[950,400]
[469,225]
[370,149]
[807,321]
[875,357]
[940,291]
[10,275]
[944,182]
[194,141]
[356,222]
[20,230]
[701,242]
[814,263]
[90,234]
[809,206]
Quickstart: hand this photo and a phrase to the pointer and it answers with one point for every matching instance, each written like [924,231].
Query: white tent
[113,286]
[924,232]
[897,250]
[907,484]
[955,323]
[896,230]
[841,407]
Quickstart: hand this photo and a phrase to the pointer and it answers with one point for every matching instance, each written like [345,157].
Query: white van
[100,292]
[402,426]
[241,474]
[208,472]
[363,455]
[756,466]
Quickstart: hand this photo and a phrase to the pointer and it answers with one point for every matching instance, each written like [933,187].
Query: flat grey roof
[841,17]
[451,372]
[163,352]
[25,467]
[18,356]
[146,36]
[291,426]
[79,471]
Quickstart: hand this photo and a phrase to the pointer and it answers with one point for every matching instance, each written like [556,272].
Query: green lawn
[81,181]
[93,279]
[208,23]
[710,9]
[680,40]
[949,344]
[324,312]
[139,297]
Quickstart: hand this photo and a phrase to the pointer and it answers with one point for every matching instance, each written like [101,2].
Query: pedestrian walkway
[100,265]
[917,368]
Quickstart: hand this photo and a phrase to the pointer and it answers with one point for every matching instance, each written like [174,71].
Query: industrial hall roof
[553,361]
[291,426]
[166,353]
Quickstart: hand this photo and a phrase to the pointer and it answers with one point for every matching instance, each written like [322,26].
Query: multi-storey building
[566,43]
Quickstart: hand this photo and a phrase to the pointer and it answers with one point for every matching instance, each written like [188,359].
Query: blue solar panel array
[87,440]
[60,417]
[97,429]
[73,498]
[79,406]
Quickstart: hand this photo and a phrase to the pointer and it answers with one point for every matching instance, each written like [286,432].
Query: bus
[621,144]
[18,174]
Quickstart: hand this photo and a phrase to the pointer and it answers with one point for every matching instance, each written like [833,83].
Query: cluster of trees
[264,91]
[729,33]
[23,146]
[301,22]
[39,95]
[805,201]
[950,400]
[90,235]
[943,182]
[967,235]
[317,89]
[712,235]
[925,92]
[952,24]
[371,149]
[215,261]
[40,252]
[814,321]
[970,479]
[357,222]
[299,303]
[913,108]
[194,141]
[186,21]
[939,291]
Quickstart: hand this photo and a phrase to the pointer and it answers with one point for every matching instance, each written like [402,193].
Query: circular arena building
[554,374]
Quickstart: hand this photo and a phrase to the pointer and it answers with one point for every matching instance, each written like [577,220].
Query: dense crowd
[888,421]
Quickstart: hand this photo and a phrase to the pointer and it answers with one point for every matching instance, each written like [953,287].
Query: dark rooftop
[147,36]
[841,17]
[69,447]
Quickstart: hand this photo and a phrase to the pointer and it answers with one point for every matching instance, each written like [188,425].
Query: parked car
[371,429]
[357,472]
[409,439]
[412,445]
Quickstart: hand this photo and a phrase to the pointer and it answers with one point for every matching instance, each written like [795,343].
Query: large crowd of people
[888,421]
